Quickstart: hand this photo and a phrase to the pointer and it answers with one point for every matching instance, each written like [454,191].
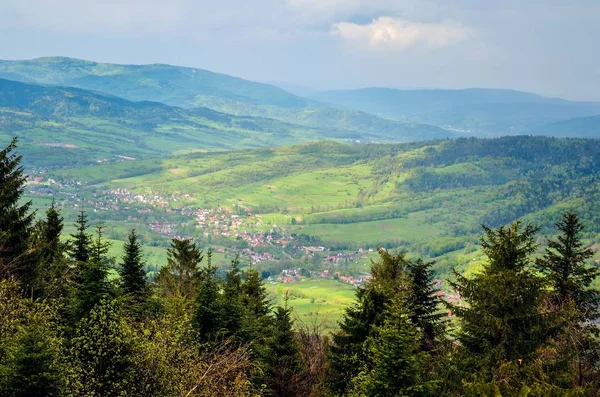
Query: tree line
[75,323]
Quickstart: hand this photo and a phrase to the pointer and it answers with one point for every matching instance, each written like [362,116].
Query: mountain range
[97,110]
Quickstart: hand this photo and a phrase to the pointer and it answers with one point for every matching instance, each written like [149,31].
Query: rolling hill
[578,127]
[428,198]
[64,125]
[190,88]
[481,111]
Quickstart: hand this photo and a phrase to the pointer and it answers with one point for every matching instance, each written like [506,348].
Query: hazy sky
[546,46]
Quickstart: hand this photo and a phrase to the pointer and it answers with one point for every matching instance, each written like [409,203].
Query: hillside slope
[429,198]
[63,125]
[488,111]
[190,88]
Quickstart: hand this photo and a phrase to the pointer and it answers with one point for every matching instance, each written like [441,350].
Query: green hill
[63,125]
[428,198]
[487,111]
[190,88]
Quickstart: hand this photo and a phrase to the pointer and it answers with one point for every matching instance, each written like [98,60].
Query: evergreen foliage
[564,265]
[207,317]
[425,304]
[501,320]
[521,330]
[16,221]
[180,276]
[100,357]
[283,367]
[81,243]
[133,281]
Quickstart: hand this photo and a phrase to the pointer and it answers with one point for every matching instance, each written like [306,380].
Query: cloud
[388,33]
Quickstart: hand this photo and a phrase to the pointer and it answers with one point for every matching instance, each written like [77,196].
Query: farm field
[314,300]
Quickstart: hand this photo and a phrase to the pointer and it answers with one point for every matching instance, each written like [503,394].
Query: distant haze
[543,46]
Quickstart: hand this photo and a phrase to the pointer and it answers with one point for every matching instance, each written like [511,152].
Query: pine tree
[564,266]
[16,221]
[502,319]
[80,250]
[133,276]
[424,303]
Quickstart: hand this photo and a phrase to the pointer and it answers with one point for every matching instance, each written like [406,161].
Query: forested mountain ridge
[91,126]
[482,111]
[190,88]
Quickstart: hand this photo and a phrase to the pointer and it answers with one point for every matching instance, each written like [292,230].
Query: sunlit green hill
[428,198]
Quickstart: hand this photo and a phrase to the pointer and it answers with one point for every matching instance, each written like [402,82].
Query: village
[240,233]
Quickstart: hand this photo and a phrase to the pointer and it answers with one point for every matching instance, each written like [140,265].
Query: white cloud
[387,33]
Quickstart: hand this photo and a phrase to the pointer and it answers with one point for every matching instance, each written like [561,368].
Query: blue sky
[545,46]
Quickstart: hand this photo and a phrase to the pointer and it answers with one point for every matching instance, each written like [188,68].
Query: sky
[548,47]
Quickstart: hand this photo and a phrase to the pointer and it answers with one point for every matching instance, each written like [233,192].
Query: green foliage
[207,320]
[283,365]
[82,241]
[564,266]
[100,359]
[16,260]
[30,344]
[134,284]
[393,347]
[425,304]
[502,318]
[179,278]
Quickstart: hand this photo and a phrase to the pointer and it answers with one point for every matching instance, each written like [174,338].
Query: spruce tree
[284,365]
[425,304]
[394,351]
[93,283]
[254,295]
[231,306]
[501,320]
[54,266]
[564,266]
[53,248]
[347,355]
[81,243]
[16,221]
[207,316]
[99,247]
[179,278]
[133,276]
[35,368]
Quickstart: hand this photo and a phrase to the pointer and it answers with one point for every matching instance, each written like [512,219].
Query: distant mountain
[488,111]
[585,127]
[93,125]
[189,88]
